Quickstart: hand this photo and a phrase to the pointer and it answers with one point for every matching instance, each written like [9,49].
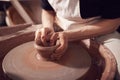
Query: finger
[48,36]
[43,36]
[59,52]
[53,39]
[38,37]
[37,34]
[63,45]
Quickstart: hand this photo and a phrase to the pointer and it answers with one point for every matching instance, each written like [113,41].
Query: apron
[68,14]
[68,17]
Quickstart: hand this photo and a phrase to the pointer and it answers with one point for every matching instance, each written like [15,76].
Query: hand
[63,44]
[42,36]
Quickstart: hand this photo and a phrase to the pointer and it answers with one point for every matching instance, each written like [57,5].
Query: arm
[47,22]
[48,18]
[42,35]
[99,28]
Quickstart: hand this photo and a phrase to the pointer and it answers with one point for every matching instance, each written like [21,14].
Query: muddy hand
[38,37]
[63,44]
[42,36]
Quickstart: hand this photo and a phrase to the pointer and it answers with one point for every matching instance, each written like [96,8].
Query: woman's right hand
[42,36]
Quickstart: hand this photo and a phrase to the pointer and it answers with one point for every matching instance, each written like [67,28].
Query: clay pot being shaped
[45,52]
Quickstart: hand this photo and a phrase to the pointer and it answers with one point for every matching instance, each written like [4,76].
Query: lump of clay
[45,52]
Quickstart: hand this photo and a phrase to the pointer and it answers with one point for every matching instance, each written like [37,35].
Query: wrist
[49,27]
[65,35]
[70,35]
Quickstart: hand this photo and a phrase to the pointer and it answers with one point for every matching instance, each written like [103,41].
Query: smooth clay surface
[23,63]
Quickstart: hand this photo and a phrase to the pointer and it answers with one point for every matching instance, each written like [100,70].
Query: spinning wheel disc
[21,63]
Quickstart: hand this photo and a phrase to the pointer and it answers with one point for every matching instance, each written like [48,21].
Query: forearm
[100,28]
[48,18]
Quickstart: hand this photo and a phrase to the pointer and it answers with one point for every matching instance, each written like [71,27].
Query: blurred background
[13,12]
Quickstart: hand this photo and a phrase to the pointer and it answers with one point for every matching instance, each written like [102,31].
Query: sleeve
[45,5]
[110,9]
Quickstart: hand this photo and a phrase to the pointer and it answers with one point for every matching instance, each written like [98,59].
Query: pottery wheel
[21,64]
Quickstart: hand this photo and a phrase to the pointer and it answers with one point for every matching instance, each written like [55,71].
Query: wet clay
[46,52]
[25,62]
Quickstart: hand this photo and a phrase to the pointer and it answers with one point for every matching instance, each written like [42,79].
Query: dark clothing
[107,9]
[45,5]
[3,6]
